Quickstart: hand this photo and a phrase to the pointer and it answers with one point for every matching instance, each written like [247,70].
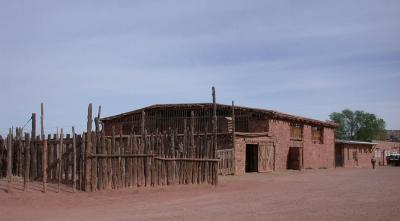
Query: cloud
[306,58]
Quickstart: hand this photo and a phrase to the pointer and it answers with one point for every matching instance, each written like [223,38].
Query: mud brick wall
[314,155]
[364,154]
[280,131]
[319,155]
[240,151]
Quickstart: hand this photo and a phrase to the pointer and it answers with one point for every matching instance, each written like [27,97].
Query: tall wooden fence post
[215,130]
[9,160]
[74,160]
[44,154]
[33,172]
[88,150]
[233,138]
[27,161]
[60,160]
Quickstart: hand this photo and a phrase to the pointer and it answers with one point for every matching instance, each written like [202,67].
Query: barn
[249,139]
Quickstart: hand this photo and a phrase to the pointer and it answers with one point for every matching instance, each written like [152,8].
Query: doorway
[251,158]
[339,155]
[294,161]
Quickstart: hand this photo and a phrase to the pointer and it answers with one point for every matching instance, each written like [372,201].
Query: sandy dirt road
[334,194]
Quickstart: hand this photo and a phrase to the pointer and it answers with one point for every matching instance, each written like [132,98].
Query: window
[296,131]
[317,134]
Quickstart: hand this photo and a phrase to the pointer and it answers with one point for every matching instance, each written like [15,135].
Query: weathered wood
[95,149]
[215,137]
[121,168]
[33,167]
[233,137]
[103,164]
[82,176]
[152,164]
[9,160]
[60,159]
[187,159]
[193,165]
[74,160]
[147,171]
[121,155]
[94,167]
[39,147]
[134,163]
[19,152]
[67,160]
[129,162]
[88,164]
[44,154]
[151,159]
[109,163]
[27,161]
[143,122]
[113,151]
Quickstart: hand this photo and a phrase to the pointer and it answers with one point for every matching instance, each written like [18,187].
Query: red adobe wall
[314,155]
[364,155]
[319,155]
[240,151]
[280,130]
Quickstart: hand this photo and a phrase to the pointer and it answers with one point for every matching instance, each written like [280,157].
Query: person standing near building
[373,161]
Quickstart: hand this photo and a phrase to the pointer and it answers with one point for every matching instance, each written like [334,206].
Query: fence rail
[91,161]
[113,163]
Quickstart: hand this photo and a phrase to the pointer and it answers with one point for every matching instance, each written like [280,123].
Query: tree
[358,125]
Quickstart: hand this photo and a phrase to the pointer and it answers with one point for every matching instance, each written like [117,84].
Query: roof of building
[272,113]
[354,142]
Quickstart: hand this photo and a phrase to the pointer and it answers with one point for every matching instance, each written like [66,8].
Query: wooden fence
[150,160]
[91,161]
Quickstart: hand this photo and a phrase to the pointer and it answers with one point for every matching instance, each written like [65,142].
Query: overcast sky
[306,58]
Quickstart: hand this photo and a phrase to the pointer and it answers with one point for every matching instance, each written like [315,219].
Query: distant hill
[393,135]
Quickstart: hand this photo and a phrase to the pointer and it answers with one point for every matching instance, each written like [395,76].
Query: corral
[249,139]
[98,161]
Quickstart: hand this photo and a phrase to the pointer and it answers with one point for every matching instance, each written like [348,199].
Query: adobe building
[249,139]
[350,154]
[384,149]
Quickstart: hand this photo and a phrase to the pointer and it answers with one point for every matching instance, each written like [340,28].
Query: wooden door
[265,158]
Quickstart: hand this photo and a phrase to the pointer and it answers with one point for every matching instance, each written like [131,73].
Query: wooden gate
[226,162]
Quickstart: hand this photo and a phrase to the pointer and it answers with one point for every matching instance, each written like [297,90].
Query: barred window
[296,131]
[317,134]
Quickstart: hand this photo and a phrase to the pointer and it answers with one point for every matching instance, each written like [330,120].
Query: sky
[308,58]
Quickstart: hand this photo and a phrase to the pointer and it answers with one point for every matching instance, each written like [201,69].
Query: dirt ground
[334,194]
